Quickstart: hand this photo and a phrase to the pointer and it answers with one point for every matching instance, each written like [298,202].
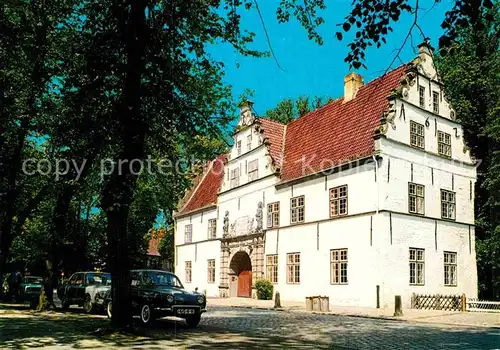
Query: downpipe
[377,181]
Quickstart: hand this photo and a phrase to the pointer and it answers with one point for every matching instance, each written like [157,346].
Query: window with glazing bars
[416,198]
[297,209]
[450,269]
[272,268]
[273,214]
[338,201]
[444,144]
[188,272]
[417,266]
[447,204]
[211,271]
[212,228]
[293,268]
[338,266]
[188,233]
[417,134]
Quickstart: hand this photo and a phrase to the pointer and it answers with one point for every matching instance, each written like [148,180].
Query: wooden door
[245,284]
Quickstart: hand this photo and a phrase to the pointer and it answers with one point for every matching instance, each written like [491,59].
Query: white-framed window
[447,204]
[338,266]
[238,147]
[435,102]
[235,178]
[249,142]
[421,96]
[293,268]
[253,170]
[450,268]
[188,233]
[211,270]
[417,134]
[444,144]
[416,198]
[272,268]
[417,266]
[189,273]
[212,228]
[338,201]
[273,214]
[297,209]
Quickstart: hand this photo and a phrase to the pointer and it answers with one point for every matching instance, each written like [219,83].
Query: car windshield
[99,278]
[156,278]
[33,279]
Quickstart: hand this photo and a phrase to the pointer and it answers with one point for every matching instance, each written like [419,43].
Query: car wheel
[88,306]
[109,308]
[192,321]
[65,304]
[145,314]
[33,303]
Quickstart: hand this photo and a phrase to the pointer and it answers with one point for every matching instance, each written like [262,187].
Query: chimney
[352,83]
[425,49]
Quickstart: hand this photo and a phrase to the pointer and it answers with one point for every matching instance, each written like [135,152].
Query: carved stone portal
[233,250]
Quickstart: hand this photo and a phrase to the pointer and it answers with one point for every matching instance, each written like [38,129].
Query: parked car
[157,294]
[82,288]
[30,289]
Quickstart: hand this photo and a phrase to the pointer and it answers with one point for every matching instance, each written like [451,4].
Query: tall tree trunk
[37,52]
[119,190]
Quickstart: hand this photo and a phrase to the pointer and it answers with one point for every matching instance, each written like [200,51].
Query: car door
[75,281]
[65,293]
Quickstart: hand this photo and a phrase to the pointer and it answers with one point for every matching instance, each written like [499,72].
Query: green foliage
[371,21]
[288,110]
[264,289]
[470,71]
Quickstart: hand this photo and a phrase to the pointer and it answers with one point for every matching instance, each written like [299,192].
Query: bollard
[378,297]
[309,304]
[398,311]
[277,301]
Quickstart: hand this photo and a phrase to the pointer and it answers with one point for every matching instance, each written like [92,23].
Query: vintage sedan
[157,294]
[83,289]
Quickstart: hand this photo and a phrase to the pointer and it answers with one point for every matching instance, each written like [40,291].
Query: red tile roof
[154,242]
[273,133]
[339,131]
[206,192]
[331,135]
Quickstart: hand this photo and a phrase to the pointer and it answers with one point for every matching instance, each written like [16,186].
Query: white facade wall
[378,230]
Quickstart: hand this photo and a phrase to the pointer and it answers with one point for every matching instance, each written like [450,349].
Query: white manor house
[365,198]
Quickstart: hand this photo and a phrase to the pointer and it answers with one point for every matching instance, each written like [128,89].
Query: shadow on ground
[220,328]
[73,330]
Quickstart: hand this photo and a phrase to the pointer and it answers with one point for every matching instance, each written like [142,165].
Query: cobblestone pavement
[230,328]
[351,332]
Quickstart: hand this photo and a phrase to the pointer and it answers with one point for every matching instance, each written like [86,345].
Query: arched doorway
[241,271]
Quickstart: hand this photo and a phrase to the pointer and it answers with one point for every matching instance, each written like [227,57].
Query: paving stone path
[230,328]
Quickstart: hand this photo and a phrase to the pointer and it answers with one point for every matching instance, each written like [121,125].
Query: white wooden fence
[477,305]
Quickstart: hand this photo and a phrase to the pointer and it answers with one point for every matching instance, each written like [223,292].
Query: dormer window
[238,148]
[421,96]
[435,102]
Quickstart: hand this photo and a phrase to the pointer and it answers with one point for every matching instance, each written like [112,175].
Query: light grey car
[82,289]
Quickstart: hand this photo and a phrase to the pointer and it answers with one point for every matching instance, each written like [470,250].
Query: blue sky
[311,69]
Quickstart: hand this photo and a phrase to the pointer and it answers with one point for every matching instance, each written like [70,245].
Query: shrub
[264,289]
